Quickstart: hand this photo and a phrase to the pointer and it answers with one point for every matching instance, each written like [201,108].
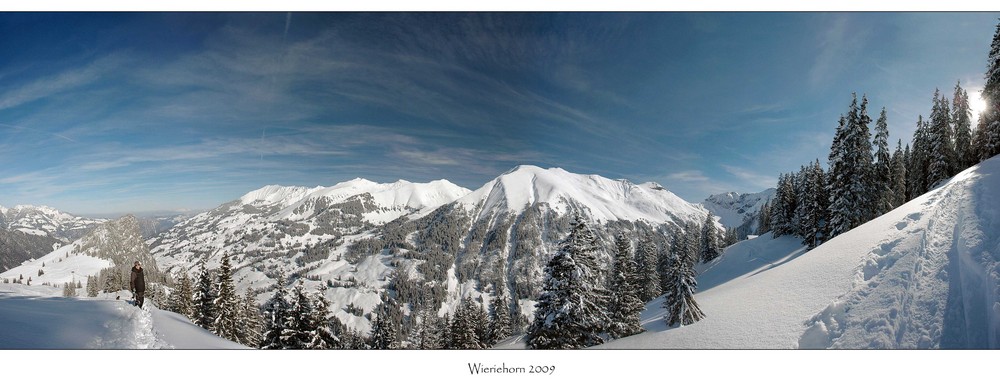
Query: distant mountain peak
[605,199]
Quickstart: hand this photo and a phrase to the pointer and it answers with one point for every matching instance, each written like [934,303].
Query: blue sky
[133,112]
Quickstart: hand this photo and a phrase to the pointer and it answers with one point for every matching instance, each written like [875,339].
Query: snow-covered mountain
[738,210]
[602,199]
[925,275]
[302,232]
[114,243]
[46,221]
[435,242]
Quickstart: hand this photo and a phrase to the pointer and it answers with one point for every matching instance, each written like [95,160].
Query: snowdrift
[926,275]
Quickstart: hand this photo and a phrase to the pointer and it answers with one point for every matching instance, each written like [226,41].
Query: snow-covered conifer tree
[298,331]
[679,299]
[648,260]
[764,218]
[253,324]
[204,299]
[710,248]
[625,304]
[228,308]
[570,313]
[275,317]
[385,330]
[850,171]
[816,204]
[961,121]
[941,157]
[321,336]
[499,316]
[882,168]
[898,176]
[182,297]
[464,326]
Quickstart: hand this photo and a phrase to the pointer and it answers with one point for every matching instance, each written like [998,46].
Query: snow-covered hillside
[926,275]
[58,267]
[34,317]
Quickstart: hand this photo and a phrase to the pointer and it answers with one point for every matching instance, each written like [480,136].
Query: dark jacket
[138,281]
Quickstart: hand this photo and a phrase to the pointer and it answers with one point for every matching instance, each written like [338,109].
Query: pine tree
[899,176]
[679,300]
[276,311]
[499,316]
[816,202]
[941,157]
[384,329]
[784,206]
[204,299]
[882,169]
[227,306]
[648,262]
[445,331]
[710,248]
[297,332]
[321,335]
[91,286]
[961,121]
[625,306]
[465,326]
[431,331]
[850,171]
[919,159]
[181,298]
[570,313]
[253,324]
[989,120]
[69,289]
[764,218]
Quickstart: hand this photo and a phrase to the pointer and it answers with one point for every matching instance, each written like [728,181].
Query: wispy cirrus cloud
[46,86]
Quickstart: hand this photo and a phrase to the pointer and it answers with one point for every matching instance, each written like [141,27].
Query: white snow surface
[606,199]
[34,317]
[926,275]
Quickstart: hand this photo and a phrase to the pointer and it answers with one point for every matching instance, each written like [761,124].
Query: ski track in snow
[928,284]
[133,329]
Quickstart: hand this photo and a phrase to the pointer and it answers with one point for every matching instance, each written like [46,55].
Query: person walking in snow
[137,283]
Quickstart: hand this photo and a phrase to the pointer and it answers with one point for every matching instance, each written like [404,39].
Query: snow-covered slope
[58,267]
[33,317]
[926,275]
[602,198]
[46,221]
